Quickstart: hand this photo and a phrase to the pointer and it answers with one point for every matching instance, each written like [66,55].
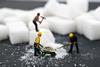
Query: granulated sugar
[29,57]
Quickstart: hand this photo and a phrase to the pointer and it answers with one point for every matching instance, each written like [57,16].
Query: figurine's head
[38,14]
[39,34]
[71,35]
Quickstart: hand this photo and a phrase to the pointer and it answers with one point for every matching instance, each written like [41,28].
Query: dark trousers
[71,47]
[36,51]
[36,26]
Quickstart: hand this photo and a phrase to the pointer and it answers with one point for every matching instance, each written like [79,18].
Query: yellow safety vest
[37,40]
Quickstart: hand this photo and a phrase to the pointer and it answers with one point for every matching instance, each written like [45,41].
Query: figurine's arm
[42,19]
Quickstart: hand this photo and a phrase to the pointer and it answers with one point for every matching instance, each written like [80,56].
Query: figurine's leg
[71,48]
[38,51]
[36,26]
[35,51]
[77,47]
[37,30]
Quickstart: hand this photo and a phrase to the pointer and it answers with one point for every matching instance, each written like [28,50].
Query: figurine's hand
[43,17]
[40,22]
[68,43]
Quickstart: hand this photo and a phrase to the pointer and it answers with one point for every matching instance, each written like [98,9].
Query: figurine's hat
[71,35]
[39,33]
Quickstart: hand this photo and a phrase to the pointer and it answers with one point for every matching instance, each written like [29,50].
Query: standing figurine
[37,44]
[73,41]
[36,19]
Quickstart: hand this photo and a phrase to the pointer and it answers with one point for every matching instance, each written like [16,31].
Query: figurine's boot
[69,51]
[35,54]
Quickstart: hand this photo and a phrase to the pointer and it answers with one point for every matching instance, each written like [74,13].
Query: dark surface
[10,54]
[27,5]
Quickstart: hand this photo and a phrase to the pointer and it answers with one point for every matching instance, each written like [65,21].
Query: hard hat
[71,35]
[39,33]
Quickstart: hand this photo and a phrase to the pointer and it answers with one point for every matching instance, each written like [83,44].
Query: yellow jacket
[37,40]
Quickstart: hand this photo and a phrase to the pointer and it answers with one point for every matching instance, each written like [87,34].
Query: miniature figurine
[37,43]
[36,19]
[73,41]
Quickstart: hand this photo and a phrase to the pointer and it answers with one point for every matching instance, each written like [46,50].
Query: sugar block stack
[94,25]
[95,13]
[63,15]
[89,26]
[71,10]
[60,18]
[18,32]
[53,8]
[23,15]
[77,7]
[50,7]
[92,29]
[3,32]
[47,37]
[80,22]
[5,12]
[9,19]
[61,26]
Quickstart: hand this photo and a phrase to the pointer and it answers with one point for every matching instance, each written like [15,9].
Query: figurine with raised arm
[36,19]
